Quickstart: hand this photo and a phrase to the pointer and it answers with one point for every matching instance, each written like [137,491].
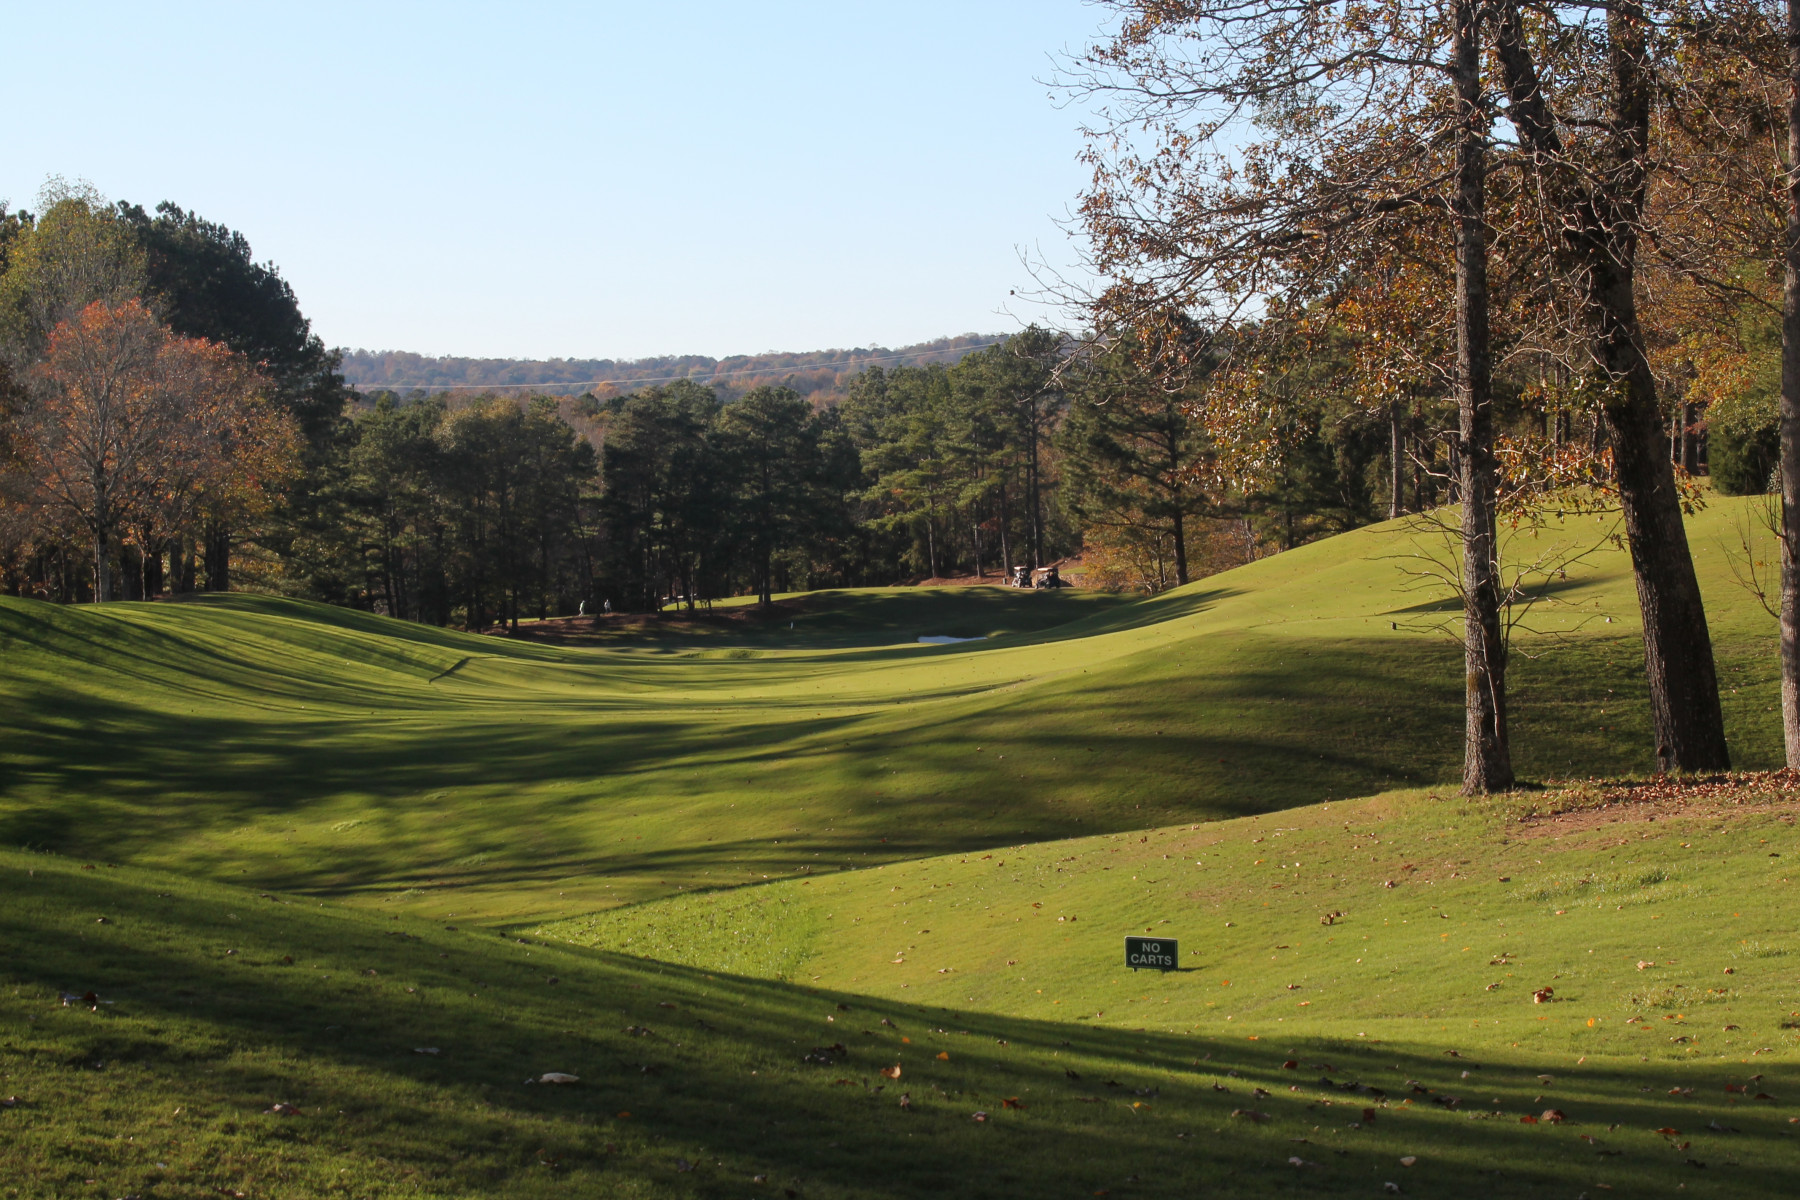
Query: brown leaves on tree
[133,433]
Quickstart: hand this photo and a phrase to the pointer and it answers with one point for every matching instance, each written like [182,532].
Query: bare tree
[1243,145]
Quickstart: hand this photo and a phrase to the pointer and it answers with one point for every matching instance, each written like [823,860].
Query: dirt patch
[1597,803]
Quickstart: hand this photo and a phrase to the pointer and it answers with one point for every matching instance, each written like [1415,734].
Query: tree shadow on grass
[734,1076]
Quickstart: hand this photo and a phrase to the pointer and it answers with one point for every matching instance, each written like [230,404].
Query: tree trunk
[1601,217]
[1180,531]
[1005,521]
[218,558]
[1790,415]
[154,576]
[103,578]
[1035,489]
[1487,758]
[1396,461]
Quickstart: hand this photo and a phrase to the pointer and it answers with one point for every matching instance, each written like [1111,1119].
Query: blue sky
[604,179]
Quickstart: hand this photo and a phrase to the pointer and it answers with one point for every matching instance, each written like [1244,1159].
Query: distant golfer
[608,604]
[582,610]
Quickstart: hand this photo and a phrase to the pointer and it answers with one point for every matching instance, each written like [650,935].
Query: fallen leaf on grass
[682,1164]
[282,1108]
[905,1100]
[978,1116]
[1297,1161]
[1012,1102]
[943,1056]
[892,1072]
[1554,1116]
[555,1077]
[1409,1160]
[425,1050]
[1250,1114]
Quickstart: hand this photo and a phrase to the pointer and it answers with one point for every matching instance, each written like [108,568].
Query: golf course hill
[299,901]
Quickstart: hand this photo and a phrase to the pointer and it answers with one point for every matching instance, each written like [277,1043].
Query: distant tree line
[819,375]
[251,464]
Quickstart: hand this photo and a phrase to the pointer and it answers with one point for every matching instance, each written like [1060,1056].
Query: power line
[717,374]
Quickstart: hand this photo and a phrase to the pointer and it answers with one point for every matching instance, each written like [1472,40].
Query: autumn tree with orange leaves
[131,434]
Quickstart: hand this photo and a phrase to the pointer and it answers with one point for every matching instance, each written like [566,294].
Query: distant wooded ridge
[807,372]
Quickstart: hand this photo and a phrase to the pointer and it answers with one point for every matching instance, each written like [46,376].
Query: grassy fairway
[291,746]
[764,860]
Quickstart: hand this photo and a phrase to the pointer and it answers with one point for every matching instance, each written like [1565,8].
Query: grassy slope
[696,1084]
[307,749]
[307,752]
[1428,892]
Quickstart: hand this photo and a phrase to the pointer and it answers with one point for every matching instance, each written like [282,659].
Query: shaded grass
[206,1025]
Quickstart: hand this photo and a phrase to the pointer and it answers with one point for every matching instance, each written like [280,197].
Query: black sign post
[1152,954]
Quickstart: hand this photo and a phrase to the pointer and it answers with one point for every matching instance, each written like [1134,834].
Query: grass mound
[1658,926]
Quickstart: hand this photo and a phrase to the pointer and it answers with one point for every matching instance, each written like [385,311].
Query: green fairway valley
[297,901]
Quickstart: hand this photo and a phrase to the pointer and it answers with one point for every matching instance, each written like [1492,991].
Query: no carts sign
[1152,954]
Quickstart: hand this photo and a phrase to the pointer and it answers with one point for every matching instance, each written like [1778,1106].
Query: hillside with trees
[820,374]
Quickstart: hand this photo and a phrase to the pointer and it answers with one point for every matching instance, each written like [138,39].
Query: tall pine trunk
[1487,758]
[1790,415]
